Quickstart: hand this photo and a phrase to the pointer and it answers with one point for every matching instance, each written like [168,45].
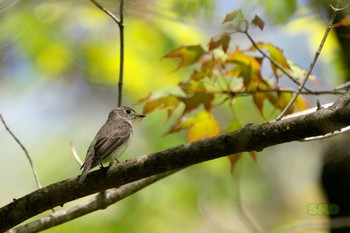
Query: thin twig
[106,11]
[339,9]
[75,154]
[210,218]
[312,65]
[284,71]
[251,225]
[120,23]
[240,93]
[248,93]
[25,151]
[121,63]
[101,201]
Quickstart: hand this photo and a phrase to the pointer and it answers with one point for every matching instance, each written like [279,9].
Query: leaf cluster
[221,74]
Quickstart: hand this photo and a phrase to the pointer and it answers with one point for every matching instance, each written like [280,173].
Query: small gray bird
[111,140]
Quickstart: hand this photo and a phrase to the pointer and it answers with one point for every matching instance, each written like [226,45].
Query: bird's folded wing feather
[106,145]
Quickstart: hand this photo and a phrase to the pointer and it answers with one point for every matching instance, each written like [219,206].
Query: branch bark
[99,202]
[249,138]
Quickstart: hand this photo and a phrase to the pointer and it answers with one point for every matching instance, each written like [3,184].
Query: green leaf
[192,87]
[234,20]
[236,16]
[299,73]
[280,11]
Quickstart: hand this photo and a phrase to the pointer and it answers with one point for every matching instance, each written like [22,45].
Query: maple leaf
[257,21]
[299,74]
[276,54]
[206,70]
[222,40]
[343,22]
[194,101]
[181,124]
[192,87]
[301,104]
[204,125]
[169,103]
[284,98]
[196,95]
[236,16]
[199,75]
[259,99]
[246,66]
[201,126]
[234,158]
[235,21]
[188,55]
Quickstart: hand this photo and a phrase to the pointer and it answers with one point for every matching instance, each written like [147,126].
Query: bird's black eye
[128,111]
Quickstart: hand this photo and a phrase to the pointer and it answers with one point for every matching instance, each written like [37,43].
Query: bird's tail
[86,168]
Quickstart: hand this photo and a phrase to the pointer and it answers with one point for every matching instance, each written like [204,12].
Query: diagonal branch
[313,63]
[36,177]
[109,13]
[284,71]
[101,201]
[249,138]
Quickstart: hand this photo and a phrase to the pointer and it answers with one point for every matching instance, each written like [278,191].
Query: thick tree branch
[101,201]
[249,138]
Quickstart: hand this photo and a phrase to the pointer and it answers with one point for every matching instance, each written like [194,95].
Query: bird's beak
[140,116]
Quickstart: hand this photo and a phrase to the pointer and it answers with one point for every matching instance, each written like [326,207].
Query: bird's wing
[106,145]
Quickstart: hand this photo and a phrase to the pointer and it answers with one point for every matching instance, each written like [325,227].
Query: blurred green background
[58,82]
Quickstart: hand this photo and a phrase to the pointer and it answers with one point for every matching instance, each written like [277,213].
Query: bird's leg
[103,167]
[117,160]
